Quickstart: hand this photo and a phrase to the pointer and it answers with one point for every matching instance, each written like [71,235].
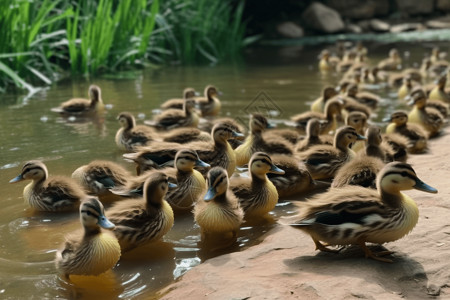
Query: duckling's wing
[59,194]
[75,105]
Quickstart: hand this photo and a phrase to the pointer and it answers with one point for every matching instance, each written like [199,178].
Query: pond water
[282,80]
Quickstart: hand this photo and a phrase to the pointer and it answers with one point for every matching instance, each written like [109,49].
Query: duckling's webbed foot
[376,256]
[322,247]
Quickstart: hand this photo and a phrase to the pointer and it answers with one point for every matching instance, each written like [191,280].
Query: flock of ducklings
[180,167]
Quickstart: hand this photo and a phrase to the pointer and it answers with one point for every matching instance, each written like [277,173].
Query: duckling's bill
[422,186]
[210,194]
[17,179]
[105,223]
[275,170]
[201,163]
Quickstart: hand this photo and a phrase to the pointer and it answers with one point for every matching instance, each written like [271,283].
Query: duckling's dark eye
[88,213]
[404,174]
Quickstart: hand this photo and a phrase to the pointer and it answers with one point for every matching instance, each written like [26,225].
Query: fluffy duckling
[357,120]
[209,104]
[365,98]
[130,136]
[319,104]
[80,106]
[438,105]
[176,103]
[327,62]
[375,146]
[332,109]
[185,135]
[438,92]
[313,136]
[96,251]
[219,211]
[405,88]
[141,221]
[56,193]
[255,141]
[257,194]
[416,135]
[353,215]
[392,63]
[99,176]
[295,180]
[428,117]
[360,171]
[323,161]
[174,118]
[398,145]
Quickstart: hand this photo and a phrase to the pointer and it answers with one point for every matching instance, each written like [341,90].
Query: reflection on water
[283,85]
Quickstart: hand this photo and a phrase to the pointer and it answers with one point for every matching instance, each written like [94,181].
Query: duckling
[319,104]
[257,194]
[208,124]
[327,62]
[313,136]
[255,141]
[56,193]
[347,61]
[357,120]
[405,88]
[130,135]
[82,107]
[218,153]
[360,171]
[142,221]
[396,146]
[332,109]
[99,176]
[288,134]
[185,135]
[219,211]
[365,98]
[323,161]
[351,105]
[357,215]
[96,251]
[209,104]
[375,147]
[441,106]
[438,92]
[430,118]
[295,180]
[176,103]
[416,135]
[392,63]
[174,118]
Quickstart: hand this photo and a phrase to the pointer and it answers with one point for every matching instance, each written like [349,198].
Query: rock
[290,30]
[364,25]
[353,9]
[443,5]
[406,27]
[322,18]
[353,28]
[379,26]
[382,7]
[439,23]
[415,7]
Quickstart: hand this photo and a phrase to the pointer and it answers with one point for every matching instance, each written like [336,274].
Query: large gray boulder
[443,5]
[322,18]
[353,9]
[289,30]
[415,7]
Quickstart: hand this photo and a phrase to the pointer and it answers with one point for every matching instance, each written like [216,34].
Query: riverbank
[285,266]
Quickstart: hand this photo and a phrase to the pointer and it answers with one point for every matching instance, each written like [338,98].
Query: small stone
[290,30]
[406,27]
[379,26]
[353,28]
[433,290]
[322,18]
[439,23]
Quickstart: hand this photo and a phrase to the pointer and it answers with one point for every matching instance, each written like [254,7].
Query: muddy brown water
[276,81]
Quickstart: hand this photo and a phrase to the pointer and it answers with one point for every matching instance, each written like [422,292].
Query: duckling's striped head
[442,81]
[373,134]
[223,132]
[357,120]
[334,106]
[398,176]
[187,159]
[156,187]
[189,93]
[313,127]
[346,136]
[325,54]
[92,214]
[32,170]
[399,117]
[126,120]
[217,182]
[259,123]
[328,93]
[418,97]
[95,94]
[189,105]
[261,164]
[211,91]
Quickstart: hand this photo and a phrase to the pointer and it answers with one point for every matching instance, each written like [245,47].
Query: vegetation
[42,39]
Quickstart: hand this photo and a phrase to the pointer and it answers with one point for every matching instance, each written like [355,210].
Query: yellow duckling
[80,106]
[99,176]
[176,103]
[257,194]
[430,118]
[438,92]
[323,161]
[438,105]
[255,141]
[174,118]
[327,63]
[142,221]
[357,120]
[405,88]
[209,104]
[96,251]
[319,104]
[48,194]
[313,136]
[130,136]
[416,135]
[354,215]
[295,180]
[332,109]
[219,211]
[392,63]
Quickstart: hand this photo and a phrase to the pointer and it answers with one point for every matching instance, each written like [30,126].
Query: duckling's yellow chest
[390,128]
[119,139]
[415,116]
[317,105]
[244,151]
[437,94]
[28,194]
[231,156]
[167,218]
[103,255]
[266,199]
[216,217]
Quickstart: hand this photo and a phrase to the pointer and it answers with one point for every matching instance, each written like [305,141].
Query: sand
[286,266]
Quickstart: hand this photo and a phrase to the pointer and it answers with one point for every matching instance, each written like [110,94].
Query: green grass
[42,39]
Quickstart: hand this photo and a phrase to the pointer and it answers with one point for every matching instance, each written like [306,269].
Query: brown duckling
[375,146]
[362,171]
[365,98]
[57,193]
[209,104]
[219,211]
[130,136]
[438,92]
[142,221]
[428,117]
[357,120]
[174,118]
[398,145]
[313,136]
[83,107]
[185,135]
[319,104]
[176,103]
[392,63]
